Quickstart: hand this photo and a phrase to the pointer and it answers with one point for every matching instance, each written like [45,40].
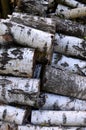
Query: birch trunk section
[17,61]
[62,103]
[31,37]
[23,91]
[71,3]
[64,83]
[64,118]
[74,13]
[12,114]
[41,23]
[60,8]
[70,28]
[7,126]
[70,46]
[72,65]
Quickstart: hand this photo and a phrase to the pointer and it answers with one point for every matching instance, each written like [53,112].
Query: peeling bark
[64,83]
[70,28]
[57,102]
[72,65]
[71,46]
[64,118]
[12,114]
[17,61]
[41,23]
[23,91]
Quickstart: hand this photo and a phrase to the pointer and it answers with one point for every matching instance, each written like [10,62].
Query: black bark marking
[29,32]
[4,113]
[64,119]
[18,53]
[65,64]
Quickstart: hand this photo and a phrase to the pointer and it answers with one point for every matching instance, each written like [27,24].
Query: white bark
[71,3]
[61,8]
[58,102]
[31,37]
[12,114]
[41,23]
[23,91]
[69,45]
[3,29]
[34,127]
[7,126]
[69,64]
[17,61]
[65,118]
[64,83]
[74,13]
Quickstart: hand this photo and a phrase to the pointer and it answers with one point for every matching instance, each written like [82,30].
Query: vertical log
[64,83]
[65,118]
[17,61]
[62,103]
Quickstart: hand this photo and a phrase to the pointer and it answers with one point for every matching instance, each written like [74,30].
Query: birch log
[69,64]
[82,1]
[74,13]
[3,29]
[31,37]
[62,103]
[17,61]
[71,3]
[71,46]
[70,28]
[23,91]
[33,7]
[32,127]
[41,23]
[7,126]
[60,8]
[65,118]
[12,114]
[64,83]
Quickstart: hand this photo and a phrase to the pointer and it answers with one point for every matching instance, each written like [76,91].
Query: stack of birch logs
[43,66]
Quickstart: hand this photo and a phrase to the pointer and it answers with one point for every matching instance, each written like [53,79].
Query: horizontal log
[69,45]
[31,37]
[12,114]
[74,13]
[33,7]
[23,91]
[41,23]
[71,3]
[70,28]
[64,83]
[62,103]
[72,65]
[17,61]
[65,118]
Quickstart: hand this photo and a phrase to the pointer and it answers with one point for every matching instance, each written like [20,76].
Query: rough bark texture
[64,83]
[7,126]
[65,118]
[71,3]
[69,64]
[70,28]
[31,37]
[33,7]
[41,23]
[57,102]
[17,61]
[23,91]
[71,46]
[12,114]
[74,13]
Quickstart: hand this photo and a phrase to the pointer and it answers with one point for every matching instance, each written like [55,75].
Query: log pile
[43,66]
